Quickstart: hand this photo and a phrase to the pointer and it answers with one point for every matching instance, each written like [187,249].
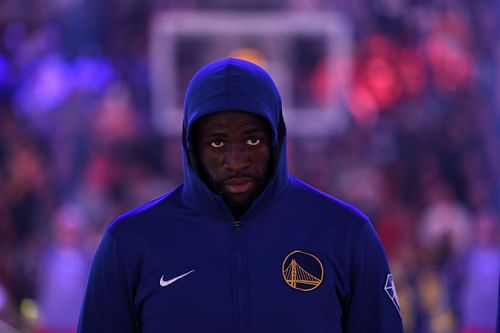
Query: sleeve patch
[390,289]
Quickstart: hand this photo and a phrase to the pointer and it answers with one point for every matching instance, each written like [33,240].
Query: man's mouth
[239,185]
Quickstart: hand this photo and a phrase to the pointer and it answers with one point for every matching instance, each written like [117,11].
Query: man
[241,246]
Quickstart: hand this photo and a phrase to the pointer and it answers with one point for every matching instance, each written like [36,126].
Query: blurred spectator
[480,267]
[63,271]
[444,220]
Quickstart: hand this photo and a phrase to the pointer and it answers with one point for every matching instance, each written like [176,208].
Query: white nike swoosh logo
[164,283]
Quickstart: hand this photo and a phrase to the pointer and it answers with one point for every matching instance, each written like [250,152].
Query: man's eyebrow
[215,133]
[249,129]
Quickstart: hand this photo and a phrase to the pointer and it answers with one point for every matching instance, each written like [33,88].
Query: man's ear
[279,145]
[192,154]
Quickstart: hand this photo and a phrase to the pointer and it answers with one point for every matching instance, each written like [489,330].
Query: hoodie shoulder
[141,217]
[314,201]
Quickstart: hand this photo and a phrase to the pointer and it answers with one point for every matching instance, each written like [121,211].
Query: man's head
[233,130]
[234,152]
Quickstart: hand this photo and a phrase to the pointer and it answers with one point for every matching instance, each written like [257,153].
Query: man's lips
[238,185]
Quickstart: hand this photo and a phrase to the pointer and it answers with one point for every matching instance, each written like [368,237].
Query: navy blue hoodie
[297,261]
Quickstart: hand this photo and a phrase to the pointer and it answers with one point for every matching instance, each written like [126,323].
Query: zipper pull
[237,224]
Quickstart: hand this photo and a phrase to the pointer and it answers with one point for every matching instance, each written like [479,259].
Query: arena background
[393,105]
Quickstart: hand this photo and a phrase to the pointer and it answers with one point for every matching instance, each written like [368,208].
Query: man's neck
[237,211]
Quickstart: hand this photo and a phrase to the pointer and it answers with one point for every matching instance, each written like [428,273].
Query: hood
[232,84]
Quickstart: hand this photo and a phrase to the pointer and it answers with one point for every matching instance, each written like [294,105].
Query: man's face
[234,149]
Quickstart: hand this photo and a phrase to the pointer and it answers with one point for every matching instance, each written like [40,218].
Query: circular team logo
[302,271]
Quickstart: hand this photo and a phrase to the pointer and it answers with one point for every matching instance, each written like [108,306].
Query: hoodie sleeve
[108,304]
[373,306]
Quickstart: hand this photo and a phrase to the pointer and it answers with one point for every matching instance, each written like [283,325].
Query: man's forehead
[233,119]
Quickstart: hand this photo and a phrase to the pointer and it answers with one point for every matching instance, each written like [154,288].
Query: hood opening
[196,164]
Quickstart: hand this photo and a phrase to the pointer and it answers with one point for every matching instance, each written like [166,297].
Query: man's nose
[236,159]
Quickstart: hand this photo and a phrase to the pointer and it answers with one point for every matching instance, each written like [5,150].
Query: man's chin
[239,200]
[239,194]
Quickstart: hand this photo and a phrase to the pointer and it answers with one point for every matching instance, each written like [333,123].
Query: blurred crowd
[421,154]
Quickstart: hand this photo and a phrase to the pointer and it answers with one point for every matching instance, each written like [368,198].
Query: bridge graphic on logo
[295,274]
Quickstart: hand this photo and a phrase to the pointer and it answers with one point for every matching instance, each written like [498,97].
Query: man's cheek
[216,182]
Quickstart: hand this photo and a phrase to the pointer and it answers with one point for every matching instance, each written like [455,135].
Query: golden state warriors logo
[302,271]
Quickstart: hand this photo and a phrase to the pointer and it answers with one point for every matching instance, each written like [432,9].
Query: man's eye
[253,142]
[217,143]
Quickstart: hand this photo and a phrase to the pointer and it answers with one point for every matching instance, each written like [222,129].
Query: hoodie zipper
[240,274]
